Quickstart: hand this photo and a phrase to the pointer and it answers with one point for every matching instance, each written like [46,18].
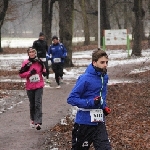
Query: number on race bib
[57,60]
[34,78]
[96,115]
[43,59]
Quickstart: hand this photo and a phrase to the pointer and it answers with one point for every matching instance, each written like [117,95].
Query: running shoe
[32,124]
[58,87]
[38,127]
[47,81]
[61,80]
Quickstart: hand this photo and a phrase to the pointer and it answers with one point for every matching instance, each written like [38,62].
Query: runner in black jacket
[42,48]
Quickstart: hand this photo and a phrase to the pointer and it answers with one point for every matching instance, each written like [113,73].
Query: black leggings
[47,69]
[58,70]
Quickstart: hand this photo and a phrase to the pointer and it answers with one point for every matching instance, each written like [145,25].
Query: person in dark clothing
[42,48]
[57,53]
[89,96]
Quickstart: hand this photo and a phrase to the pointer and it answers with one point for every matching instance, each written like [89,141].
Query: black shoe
[38,127]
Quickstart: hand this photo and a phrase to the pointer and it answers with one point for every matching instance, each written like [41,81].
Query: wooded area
[78,19]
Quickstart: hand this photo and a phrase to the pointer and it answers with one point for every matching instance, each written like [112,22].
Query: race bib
[57,60]
[96,115]
[34,78]
[43,59]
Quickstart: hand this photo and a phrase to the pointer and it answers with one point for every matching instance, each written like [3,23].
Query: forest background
[70,19]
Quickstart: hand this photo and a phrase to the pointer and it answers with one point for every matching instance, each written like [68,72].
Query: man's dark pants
[58,70]
[84,135]
[47,68]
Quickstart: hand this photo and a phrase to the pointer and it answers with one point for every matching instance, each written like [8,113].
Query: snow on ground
[80,60]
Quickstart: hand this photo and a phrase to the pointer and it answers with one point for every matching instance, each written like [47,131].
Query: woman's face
[32,53]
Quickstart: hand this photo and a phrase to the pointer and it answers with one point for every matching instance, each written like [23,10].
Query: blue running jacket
[87,87]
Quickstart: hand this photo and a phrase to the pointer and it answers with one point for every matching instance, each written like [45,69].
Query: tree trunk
[85,21]
[117,19]
[105,24]
[1,50]
[125,16]
[51,18]
[46,22]
[66,27]
[96,20]
[137,48]
[4,7]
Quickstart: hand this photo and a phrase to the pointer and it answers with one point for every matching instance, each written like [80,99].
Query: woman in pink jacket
[33,70]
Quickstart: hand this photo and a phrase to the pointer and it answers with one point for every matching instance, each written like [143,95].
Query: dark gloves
[44,74]
[97,100]
[25,68]
[33,71]
[106,111]
[62,58]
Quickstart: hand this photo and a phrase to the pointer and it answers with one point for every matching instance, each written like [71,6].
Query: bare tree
[139,14]
[3,9]
[47,15]
[66,26]
[92,14]
[85,22]
[45,19]
[125,16]
[105,24]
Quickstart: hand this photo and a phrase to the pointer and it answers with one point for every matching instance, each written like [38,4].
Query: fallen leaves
[128,124]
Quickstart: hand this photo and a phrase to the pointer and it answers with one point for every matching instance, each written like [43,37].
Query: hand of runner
[106,111]
[97,100]
[33,71]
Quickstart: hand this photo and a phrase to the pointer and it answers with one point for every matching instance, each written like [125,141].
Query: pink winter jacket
[29,84]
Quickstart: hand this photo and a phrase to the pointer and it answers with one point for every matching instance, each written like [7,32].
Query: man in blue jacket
[89,95]
[57,53]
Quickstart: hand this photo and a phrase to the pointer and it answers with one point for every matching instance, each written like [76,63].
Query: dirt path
[15,132]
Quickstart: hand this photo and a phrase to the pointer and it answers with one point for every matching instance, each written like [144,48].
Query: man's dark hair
[98,54]
[41,34]
[54,37]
